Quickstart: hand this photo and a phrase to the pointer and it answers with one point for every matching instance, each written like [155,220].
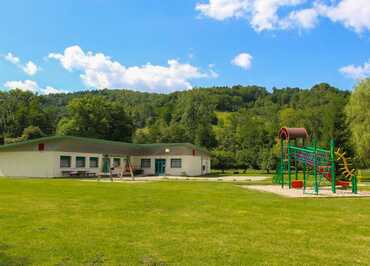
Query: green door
[106,165]
[160,166]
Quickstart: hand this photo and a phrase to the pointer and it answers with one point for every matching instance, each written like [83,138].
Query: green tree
[289,117]
[242,121]
[18,110]
[222,159]
[195,112]
[244,159]
[96,117]
[143,135]
[32,132]
[267,160]
[253,136]
[358,117]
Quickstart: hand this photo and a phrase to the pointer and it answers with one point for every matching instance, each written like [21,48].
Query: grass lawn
[66,222]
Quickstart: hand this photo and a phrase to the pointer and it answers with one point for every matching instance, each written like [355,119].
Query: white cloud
[32,86]
[261,14]
[354,14]
[30,68]
[12,58]
[100,71]
[356,72]
[212,72]
[304,19]
[26,85]
[51,90]
[264,14]
[223,9]
[243,60]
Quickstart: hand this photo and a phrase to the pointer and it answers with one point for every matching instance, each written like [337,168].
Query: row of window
[175,163]
[66,162]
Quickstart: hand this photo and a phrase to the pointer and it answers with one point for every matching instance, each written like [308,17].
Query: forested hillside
[238,124]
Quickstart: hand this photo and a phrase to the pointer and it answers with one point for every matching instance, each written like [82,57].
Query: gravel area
[324,192]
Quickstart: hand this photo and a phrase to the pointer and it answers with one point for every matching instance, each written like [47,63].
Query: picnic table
[79,173]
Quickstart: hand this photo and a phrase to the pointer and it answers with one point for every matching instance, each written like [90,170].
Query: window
[175,163]
[41,147]
[94,162]
[116,162]
[145,163]
[80,162]
[65,161]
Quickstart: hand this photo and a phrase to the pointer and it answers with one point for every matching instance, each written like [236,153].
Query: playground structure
[319,166]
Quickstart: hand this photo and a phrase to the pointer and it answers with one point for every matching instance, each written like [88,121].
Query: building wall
[27,164]
[190,165]
[206,165]
[46,163]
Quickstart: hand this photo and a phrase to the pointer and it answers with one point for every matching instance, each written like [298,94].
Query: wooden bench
[69,173]
[89,174]
[73,173]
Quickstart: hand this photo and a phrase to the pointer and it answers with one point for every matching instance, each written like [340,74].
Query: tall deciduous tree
[96,117]
[195,112]
[358,116]
[18,110]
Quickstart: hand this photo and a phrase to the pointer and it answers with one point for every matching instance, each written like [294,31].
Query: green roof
[108,142]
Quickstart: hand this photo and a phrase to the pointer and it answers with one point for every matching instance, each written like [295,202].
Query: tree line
[237,124]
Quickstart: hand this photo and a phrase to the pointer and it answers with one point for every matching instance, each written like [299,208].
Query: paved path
[163,178]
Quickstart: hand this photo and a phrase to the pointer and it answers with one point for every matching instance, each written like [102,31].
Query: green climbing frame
[317,164]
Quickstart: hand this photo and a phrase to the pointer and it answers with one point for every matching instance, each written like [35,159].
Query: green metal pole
[289,167]
[304,177]
[282,163]
[316,185]
[332,166]
[296,161]
[354,184]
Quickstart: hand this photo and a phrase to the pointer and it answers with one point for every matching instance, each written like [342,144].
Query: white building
[66,155]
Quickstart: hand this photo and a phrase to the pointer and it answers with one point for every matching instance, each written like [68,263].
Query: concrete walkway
[182,178]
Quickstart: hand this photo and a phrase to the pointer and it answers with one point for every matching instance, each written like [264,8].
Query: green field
[67,222]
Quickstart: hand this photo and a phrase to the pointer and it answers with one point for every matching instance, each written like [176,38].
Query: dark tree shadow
[9,260]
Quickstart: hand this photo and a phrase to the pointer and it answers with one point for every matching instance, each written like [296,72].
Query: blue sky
[162,46]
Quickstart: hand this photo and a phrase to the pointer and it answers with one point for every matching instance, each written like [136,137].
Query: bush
[32,132]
